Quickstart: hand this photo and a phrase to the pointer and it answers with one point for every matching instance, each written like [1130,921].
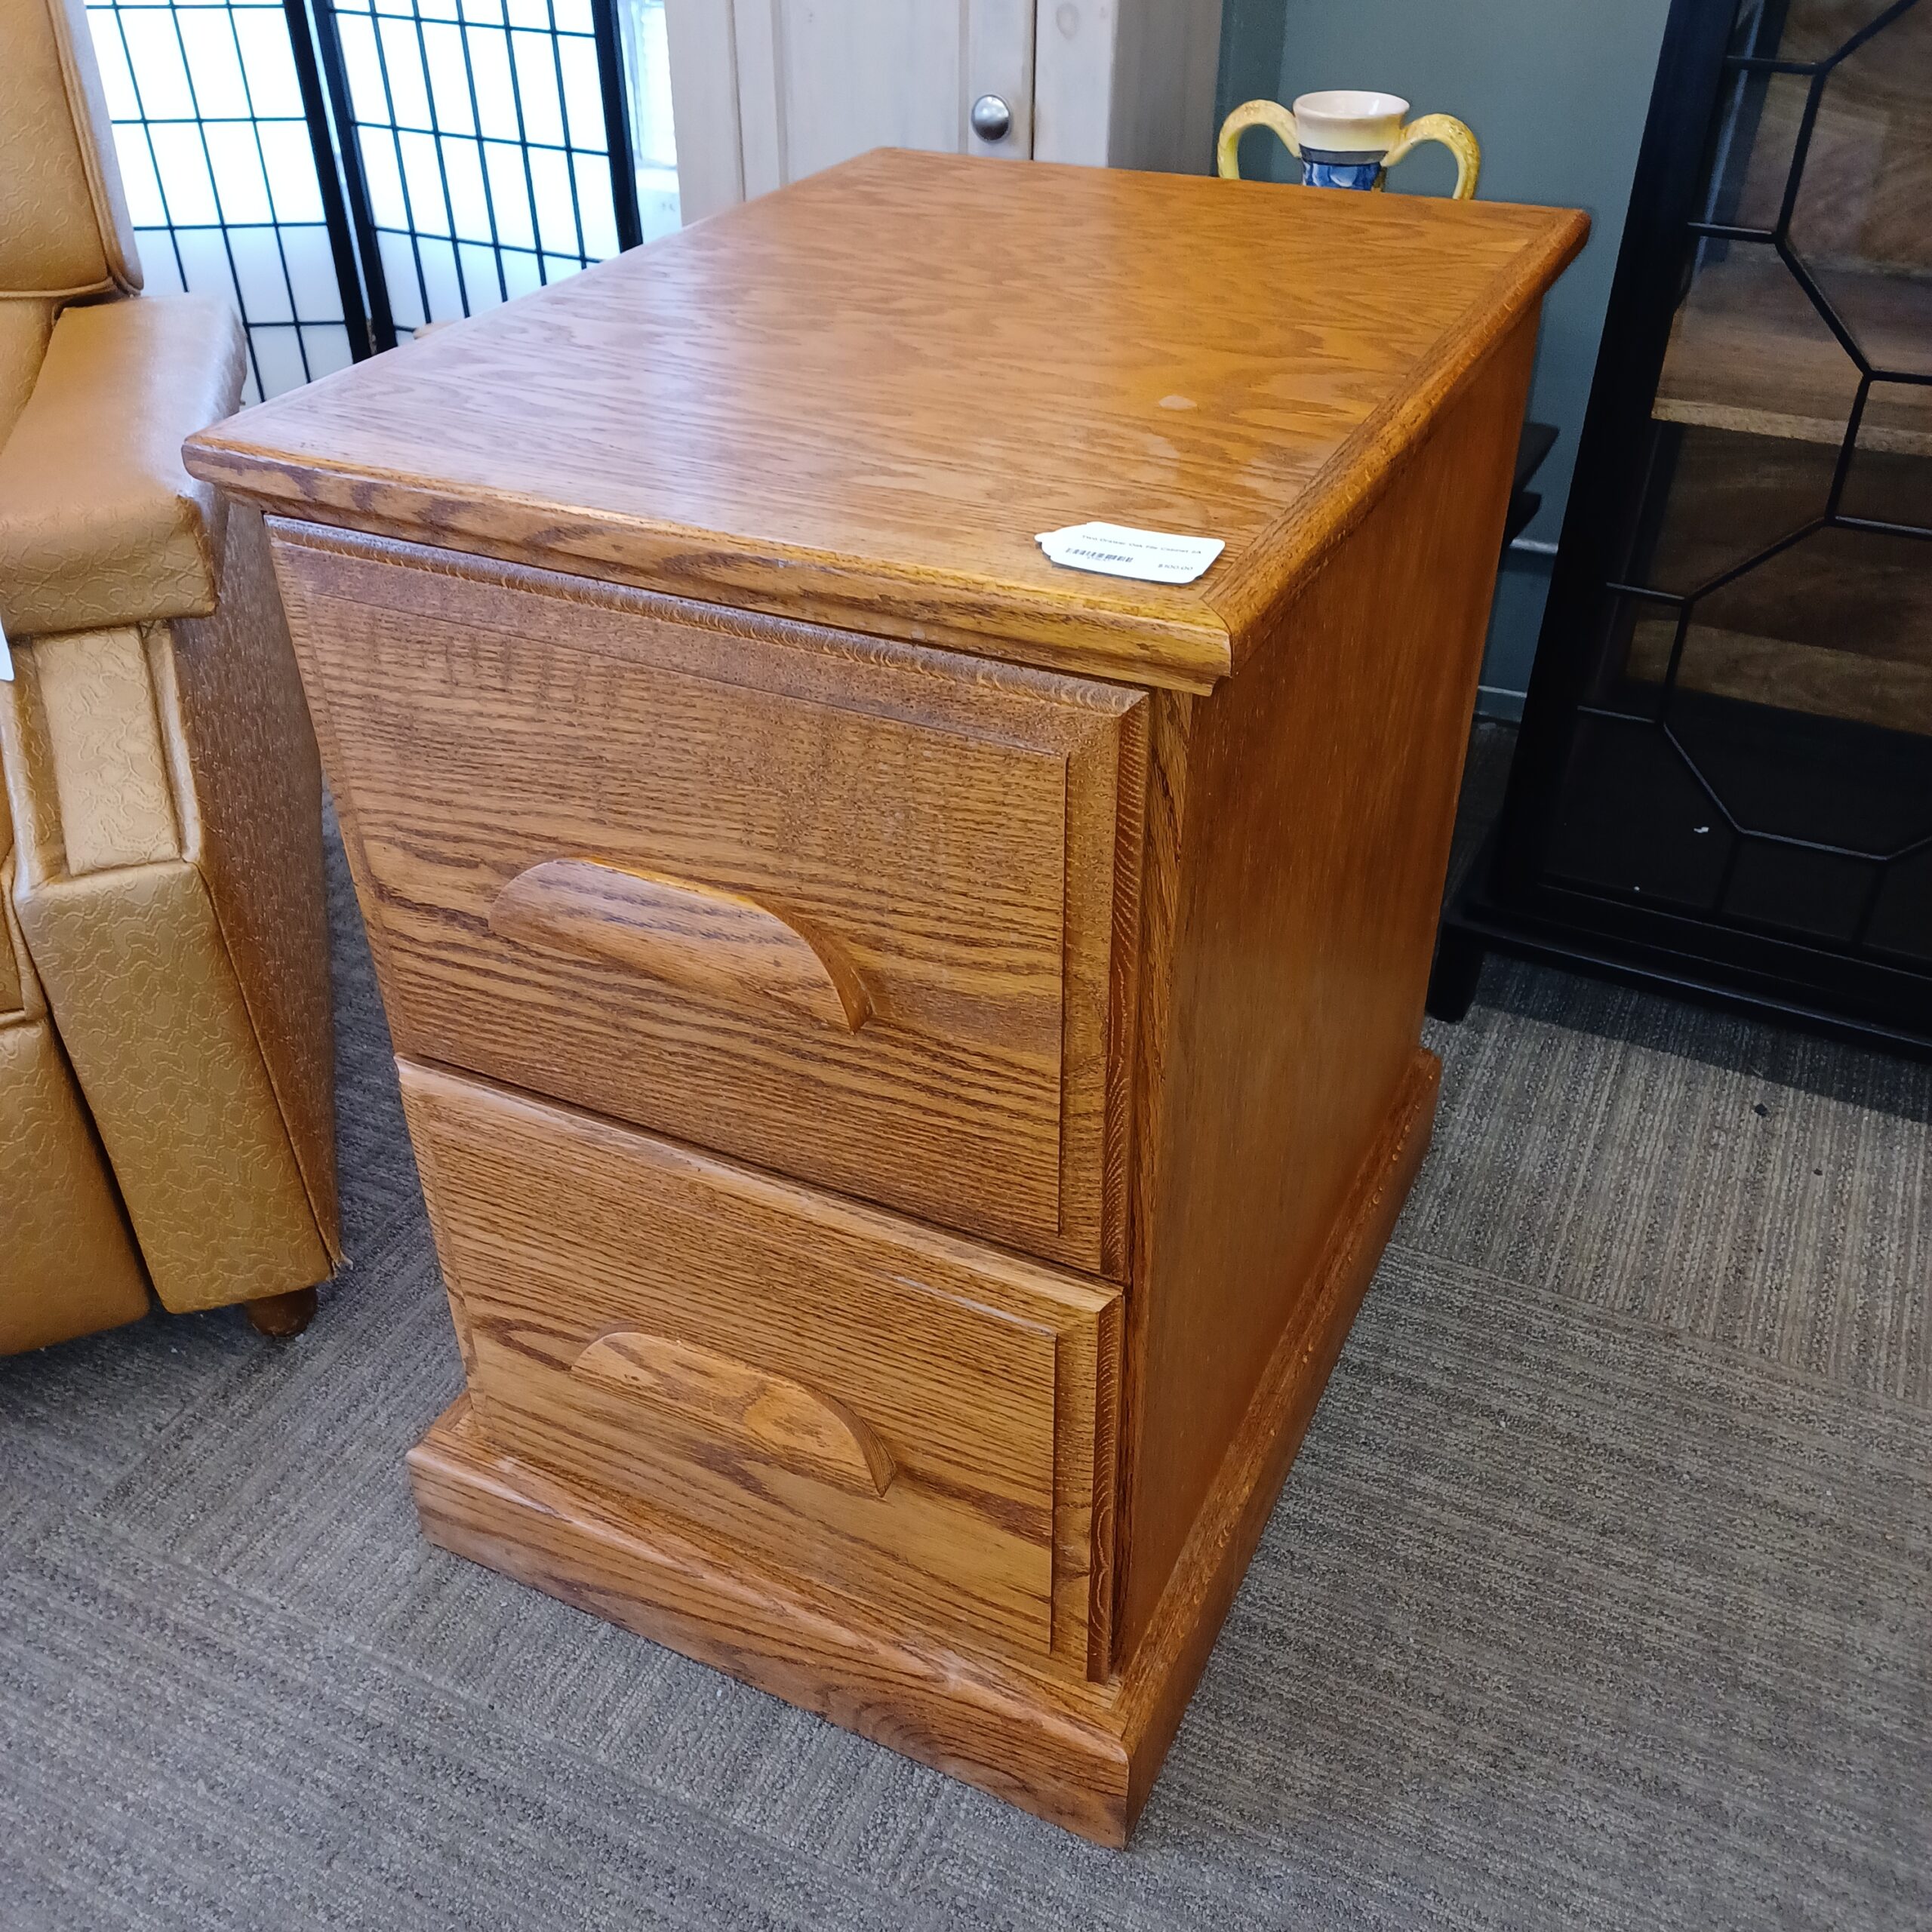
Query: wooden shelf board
[1891,693]
[1790,427]
[1749,353]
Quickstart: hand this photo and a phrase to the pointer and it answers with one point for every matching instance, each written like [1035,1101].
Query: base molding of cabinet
[1045,1747]
[1084,1756]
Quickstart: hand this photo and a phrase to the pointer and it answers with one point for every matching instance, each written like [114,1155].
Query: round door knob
[992,119]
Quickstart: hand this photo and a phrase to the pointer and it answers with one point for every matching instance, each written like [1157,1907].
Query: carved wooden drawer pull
[694,937]
[780,1421]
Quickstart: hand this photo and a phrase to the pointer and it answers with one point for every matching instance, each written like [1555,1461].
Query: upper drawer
[854,911]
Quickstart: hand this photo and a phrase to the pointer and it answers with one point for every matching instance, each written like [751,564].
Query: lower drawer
[850,1399]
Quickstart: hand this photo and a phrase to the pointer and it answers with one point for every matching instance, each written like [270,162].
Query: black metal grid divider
[411,225]
[167,88]
[489,192]
[345,170]
[348,156]
[617,123]
[341,242]
[538,190]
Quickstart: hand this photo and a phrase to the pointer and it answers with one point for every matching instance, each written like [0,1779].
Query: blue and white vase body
[1321,168]
[1344,135]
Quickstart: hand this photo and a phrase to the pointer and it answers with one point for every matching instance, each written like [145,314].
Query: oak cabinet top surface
[859,399]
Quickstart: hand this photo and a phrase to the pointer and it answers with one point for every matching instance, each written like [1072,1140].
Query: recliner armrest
[99,523]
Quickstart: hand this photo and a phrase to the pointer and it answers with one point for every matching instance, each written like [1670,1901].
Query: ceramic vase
[1348,137]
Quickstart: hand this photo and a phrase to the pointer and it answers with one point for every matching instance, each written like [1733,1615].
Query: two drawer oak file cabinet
[912,1051]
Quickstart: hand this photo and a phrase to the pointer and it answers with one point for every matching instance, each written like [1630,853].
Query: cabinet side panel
[1318,799]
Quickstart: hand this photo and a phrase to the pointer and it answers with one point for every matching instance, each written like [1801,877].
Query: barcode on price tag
[1116,549]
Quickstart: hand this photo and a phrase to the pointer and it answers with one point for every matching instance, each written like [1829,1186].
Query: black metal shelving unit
[1724,781]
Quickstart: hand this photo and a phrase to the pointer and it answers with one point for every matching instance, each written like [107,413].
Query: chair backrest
[64,230]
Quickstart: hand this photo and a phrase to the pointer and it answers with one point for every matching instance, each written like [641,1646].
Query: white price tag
[1114,549]
[6,660]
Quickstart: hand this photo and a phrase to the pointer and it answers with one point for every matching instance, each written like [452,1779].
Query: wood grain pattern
[776,1420]
[710,942]
[1172,1648]
[986,1381]
[1083,1755]
[963,835]
[1308,804]
[1240,360]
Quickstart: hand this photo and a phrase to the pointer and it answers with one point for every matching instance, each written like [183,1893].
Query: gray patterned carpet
[1600,1595]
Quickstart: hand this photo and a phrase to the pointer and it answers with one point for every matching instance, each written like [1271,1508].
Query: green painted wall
[1556,91]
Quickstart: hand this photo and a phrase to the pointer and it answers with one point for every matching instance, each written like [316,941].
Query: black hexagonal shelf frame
[1686,805]
[1818,74]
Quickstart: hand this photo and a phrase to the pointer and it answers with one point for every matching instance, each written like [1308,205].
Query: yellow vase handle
[1453,135]
[1253,114]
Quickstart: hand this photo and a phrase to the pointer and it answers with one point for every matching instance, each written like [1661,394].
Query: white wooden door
[767,91]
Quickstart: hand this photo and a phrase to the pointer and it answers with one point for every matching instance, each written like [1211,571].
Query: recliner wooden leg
[283,1316]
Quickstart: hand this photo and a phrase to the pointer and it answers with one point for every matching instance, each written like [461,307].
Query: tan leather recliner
[166,1077]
